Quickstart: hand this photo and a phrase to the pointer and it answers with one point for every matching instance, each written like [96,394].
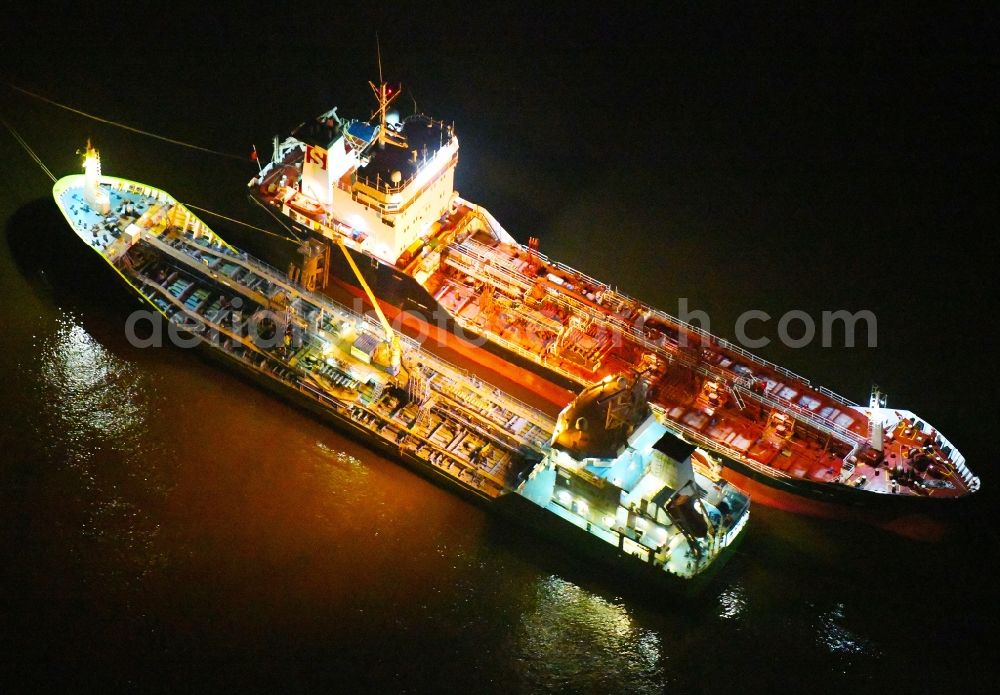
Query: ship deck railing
[296,291]
[480,258]
[699,438]
[496,228]
[825,425]
[322,302]
[622,298]
[712,444]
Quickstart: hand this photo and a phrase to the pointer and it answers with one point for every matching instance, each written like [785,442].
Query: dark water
[163,523]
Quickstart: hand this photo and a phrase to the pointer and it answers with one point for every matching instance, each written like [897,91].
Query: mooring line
[27,148]
[48,172]
[125,126]
[241,222]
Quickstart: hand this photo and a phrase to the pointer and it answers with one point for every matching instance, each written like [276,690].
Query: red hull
[913,525]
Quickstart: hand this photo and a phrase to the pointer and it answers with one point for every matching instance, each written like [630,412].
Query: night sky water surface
[164,523]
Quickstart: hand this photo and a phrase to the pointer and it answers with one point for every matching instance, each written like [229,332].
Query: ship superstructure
[441,420]
[617,472]
[754,416]
[391,181]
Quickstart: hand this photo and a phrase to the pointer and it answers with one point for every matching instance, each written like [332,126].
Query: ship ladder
[734,389]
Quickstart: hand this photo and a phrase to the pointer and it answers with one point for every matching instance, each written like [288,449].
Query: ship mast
[385,94]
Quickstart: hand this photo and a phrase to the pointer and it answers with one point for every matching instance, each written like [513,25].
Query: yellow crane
[389,353]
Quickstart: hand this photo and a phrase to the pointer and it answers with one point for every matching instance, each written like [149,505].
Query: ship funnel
[877,433]
[876,430]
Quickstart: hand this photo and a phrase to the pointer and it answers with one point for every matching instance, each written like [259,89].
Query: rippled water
[163,521]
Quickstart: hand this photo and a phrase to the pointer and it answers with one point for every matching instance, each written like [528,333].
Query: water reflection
[90,413]
[832,634]
[571,635]
[733,602]
[342,458]
[92,397]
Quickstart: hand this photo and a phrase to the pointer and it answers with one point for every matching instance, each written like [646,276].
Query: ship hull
[916,518]
[401,292]
[509,504]
[583,544]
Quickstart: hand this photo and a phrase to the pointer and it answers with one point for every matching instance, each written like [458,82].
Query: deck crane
[389,353]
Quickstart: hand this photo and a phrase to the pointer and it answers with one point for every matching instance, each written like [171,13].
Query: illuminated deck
[713,392]
[444,416]
[729,401]
[433,415]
